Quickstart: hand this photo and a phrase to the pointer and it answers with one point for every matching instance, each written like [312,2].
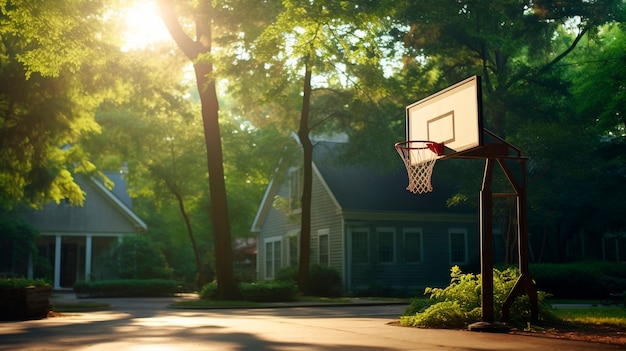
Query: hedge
[127,288]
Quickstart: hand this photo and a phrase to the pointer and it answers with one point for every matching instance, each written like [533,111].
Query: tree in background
[54,54]
[315,39]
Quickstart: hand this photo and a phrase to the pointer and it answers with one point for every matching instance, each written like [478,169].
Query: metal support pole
[486,243]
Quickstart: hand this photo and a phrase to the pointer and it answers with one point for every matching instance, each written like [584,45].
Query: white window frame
[462,231]
[270,264]
[360,230]
[420,233]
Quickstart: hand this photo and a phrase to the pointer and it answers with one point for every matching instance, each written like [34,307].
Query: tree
[151,126]
[53,54]
[514,45]
[204,16]
[321,37]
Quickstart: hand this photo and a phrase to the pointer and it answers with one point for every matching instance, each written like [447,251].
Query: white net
[419,159]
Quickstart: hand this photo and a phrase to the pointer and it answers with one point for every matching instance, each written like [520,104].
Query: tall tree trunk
[307,184]
[193,49]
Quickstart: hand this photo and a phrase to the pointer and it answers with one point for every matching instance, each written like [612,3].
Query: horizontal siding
[433,270]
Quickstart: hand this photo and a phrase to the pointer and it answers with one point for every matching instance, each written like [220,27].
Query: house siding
[341,205]
[434,268]
[97,215]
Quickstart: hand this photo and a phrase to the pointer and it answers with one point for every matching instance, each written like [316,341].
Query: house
[75,238]
[366,226]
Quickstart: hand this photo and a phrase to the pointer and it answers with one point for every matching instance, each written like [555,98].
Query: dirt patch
[590,333]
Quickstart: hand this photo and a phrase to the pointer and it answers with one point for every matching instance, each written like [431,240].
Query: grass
[602,315]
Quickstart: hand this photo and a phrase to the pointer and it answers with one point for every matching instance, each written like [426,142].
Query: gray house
[74,238]
[365,225]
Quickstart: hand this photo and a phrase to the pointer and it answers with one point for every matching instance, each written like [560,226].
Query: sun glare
[143,25]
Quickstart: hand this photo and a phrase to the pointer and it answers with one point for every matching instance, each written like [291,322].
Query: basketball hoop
[419,158]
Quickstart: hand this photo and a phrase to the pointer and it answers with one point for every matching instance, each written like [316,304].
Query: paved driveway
[147,324]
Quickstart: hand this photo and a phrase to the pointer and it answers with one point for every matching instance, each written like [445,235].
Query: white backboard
[452,116]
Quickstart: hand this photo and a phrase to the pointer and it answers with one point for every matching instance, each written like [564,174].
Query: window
[458,246]
[413,245]
[323,247]
[293,249]
[358,245]
[386,244]
[273,253]
[295,189]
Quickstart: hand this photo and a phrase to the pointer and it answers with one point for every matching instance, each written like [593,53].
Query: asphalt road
[148,324]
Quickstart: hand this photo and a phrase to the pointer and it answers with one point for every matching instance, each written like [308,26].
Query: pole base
[489,327]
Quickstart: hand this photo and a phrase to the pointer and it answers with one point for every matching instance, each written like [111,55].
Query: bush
[265,291]
[138,257]
[418,305]
[127,288]
[323,280]
[460,303]
[580,280]
[19,283]
[445,314]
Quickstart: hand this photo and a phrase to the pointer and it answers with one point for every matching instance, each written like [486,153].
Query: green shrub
[264,291]
[268,291]
[138,257]
[127,288]
[445,314]
[287,274]
[580,280]
[18,283]
[323,280]
[460,303]
[418,305]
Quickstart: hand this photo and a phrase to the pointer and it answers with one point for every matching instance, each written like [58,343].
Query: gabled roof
[103,212]
[362,188]
[359,187]
[123,204]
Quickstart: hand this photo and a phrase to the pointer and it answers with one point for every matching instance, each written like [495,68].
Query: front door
[69,259]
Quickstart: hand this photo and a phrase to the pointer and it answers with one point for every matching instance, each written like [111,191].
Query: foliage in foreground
[264,291]
[18,283]
[580,280]
[459,304]
[323,281]
[127,288]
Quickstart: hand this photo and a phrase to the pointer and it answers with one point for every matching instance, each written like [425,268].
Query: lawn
[595,315]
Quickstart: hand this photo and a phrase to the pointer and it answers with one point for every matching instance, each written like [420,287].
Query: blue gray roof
[359,187]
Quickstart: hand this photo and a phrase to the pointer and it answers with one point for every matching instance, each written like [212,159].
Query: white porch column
[29,273]
[57,262]
[88,246]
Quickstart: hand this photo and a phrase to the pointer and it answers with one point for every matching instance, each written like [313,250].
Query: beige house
[74,238]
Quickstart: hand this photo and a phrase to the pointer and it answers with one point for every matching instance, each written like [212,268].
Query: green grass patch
[602,315]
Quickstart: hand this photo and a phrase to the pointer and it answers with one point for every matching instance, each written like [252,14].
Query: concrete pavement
[148,324]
